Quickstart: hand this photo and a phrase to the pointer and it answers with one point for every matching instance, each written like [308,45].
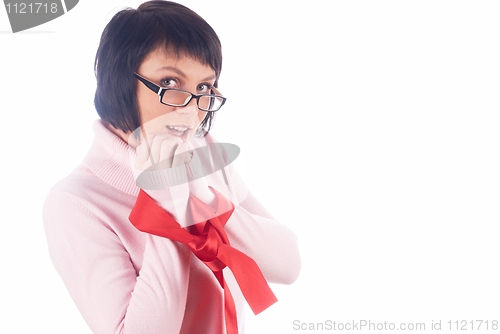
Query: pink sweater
[126,281]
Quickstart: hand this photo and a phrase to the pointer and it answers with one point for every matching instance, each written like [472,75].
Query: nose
[190,110]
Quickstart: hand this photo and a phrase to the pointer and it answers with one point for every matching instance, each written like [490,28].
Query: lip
[183,135]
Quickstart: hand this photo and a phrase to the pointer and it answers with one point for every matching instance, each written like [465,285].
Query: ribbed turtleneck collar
[109,158]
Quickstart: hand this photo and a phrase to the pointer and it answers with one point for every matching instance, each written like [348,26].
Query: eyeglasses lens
[175,97]
[180,98]
[210,103]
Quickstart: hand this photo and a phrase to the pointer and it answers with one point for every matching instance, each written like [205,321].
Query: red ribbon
[209,242]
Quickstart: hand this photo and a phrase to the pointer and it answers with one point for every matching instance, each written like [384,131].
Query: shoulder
[81,186]
[70,201]
[81,200]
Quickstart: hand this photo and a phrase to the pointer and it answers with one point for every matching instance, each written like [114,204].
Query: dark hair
[129,37]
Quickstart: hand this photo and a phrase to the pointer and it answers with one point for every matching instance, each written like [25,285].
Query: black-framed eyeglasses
[179,98]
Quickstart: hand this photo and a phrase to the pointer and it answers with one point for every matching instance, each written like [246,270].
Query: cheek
[149,107]
[150,114]
[155,124]
[201,116]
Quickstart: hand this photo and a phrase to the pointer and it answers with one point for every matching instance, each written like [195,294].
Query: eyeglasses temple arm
[155,88]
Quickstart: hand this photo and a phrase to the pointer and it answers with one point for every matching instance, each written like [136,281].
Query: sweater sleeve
[98,272]
[252,230]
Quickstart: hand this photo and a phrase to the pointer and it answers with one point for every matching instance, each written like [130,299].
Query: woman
[142,230]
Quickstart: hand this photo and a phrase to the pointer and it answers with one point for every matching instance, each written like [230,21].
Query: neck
[125,136]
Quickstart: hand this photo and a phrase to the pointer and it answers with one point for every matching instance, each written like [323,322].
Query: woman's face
[167,70]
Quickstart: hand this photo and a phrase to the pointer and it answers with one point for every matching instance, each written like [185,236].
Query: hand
[162,151]
[158,152]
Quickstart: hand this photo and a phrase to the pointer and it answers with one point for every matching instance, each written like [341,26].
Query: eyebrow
[182,74]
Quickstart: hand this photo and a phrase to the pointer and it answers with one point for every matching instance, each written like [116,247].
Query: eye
[204,88]
[169,83]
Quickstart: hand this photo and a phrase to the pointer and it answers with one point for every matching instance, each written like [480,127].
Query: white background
[371,128]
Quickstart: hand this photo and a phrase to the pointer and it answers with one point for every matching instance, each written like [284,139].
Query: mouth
[181,131]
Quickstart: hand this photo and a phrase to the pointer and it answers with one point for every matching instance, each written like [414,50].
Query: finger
[161,146]
[142,161]
[156,148]
[168,147]
[182,155]
[150,149]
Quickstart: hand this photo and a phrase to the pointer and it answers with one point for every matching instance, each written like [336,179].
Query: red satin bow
[209,242]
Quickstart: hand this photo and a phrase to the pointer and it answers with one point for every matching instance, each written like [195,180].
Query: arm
[99,274]
[250,229]
[272,245]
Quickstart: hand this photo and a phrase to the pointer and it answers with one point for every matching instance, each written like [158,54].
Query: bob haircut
[129,37]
